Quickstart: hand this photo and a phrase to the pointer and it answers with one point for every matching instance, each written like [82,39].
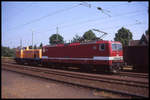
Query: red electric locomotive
[98,54]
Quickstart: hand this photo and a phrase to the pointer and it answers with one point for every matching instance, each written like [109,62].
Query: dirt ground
[16,85]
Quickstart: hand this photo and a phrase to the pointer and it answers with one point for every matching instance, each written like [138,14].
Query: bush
[7,52]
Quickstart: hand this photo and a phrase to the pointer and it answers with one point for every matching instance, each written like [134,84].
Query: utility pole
[21,43]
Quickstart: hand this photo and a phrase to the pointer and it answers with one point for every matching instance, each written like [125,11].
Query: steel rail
[133,74]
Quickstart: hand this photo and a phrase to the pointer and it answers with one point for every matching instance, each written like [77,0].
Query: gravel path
[16,85]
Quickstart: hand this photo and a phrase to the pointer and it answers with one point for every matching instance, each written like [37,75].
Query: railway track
[133,74]
[105,78]
[129,74]
[131,86]
[125,74]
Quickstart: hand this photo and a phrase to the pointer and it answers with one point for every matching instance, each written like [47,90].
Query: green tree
[123,35]
[7,52]
[77,38]
[35,46]
[89,35]
[41,45]
[12,52]
[56,39]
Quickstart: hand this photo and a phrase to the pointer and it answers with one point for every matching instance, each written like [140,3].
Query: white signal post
[32,39]
[32,43]
[21,43]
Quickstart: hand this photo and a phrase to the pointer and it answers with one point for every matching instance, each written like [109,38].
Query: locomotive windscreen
[116,46]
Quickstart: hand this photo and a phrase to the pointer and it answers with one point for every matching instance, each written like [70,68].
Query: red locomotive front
[99,54]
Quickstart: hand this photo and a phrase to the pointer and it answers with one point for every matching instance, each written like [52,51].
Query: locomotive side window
[102,47]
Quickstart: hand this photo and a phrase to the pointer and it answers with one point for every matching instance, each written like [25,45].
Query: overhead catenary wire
[48,15]
[69,9]
[70,25]
[125,25]
[98,8]
[132,24]
[91,20]
[137,23]
[58,11]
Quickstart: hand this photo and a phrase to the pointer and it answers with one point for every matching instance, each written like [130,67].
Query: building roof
[134,42]
[143,41]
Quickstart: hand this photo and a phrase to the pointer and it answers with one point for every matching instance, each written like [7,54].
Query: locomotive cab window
[116,46]
[102,47]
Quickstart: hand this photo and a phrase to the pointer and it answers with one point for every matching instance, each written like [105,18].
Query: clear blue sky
[20,18]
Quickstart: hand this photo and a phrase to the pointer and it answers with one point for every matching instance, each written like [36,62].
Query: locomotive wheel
[115,68]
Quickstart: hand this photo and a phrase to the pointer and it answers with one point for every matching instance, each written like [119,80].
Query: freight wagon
[137,56]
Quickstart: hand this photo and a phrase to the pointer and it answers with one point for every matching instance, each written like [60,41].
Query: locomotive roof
[73,44]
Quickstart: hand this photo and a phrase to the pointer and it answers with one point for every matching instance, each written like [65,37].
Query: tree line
[7,52]
[58,39]
[123,35]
